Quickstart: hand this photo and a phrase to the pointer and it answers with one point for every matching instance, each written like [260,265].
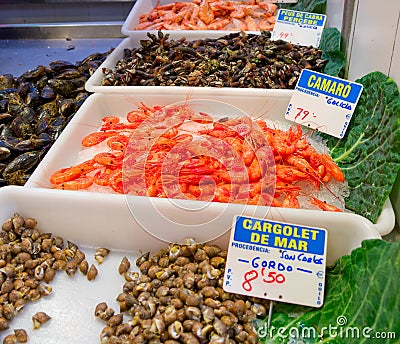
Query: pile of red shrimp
[175,152]
[210,15]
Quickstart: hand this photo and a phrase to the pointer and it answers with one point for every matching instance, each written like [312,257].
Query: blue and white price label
[324,103]
[276,261]
[298,27]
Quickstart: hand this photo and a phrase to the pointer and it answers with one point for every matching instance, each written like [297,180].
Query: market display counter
[72,302]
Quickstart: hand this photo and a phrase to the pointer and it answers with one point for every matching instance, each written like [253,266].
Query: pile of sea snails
[240,60]
[177,297]
[29,261]
[35,108]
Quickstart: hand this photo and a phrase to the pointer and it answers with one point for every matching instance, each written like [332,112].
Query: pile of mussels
[35,108]
[239,60]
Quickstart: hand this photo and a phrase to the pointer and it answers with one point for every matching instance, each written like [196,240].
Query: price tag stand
[323,102]
[276,261]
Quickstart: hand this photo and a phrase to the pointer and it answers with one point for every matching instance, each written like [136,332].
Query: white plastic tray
[144,6]
[93,84]
[91,220]
[65,151]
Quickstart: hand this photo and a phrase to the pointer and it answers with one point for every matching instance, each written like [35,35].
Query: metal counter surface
[19,55]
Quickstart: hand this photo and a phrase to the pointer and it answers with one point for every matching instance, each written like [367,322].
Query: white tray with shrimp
[94,83]
[68,151]
[91,220]
[166,20]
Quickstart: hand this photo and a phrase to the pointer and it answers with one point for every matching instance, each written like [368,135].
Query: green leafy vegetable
[360,298]
[369,153]
[313,6]
[330,46]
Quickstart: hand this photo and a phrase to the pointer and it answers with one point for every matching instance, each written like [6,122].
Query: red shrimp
[118,142]
[97,137]
[333,169]
[323,205]
[109,159]
[70,173]
[109,122]
[82,182]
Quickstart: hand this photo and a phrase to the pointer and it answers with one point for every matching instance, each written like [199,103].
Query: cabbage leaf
[369,153]
[331,50]
[312,6]
[360,297]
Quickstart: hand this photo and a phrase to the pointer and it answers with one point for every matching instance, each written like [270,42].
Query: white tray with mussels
[185,214]
[91,220]
[94,83]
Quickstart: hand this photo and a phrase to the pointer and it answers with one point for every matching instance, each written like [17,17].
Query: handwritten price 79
[303,112]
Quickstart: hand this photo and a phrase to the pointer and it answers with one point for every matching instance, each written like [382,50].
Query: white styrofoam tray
[93,84]
[143,6]
[64,153]
[91,220]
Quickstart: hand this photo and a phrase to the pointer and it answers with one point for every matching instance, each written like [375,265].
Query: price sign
[276,261]
[299,27]
[323,102]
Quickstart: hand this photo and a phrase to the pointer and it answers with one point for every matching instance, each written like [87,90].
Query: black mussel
[15,103]
[4,153]
[41,126]
[80,98]
[42,82]
[32,74]
[67,107]
[67,87]
[62,87]
[41,140]
[35,142]
[23,162]
[10,142]
[6,130]
[33,97]
[24,146]
[89,67]
[47,110]
[24,87]
[94,57]
[28,114]
[5,116]
[16,178]
[70,73]
[48,92]
[3,104]
[57,66]
[6,81]
[56,127]
[21,127]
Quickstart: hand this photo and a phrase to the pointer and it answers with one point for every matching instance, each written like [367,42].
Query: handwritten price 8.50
[271,277]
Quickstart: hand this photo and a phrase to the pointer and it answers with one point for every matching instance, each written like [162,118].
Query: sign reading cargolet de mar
[298,27]
[276,261]
[323,102]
